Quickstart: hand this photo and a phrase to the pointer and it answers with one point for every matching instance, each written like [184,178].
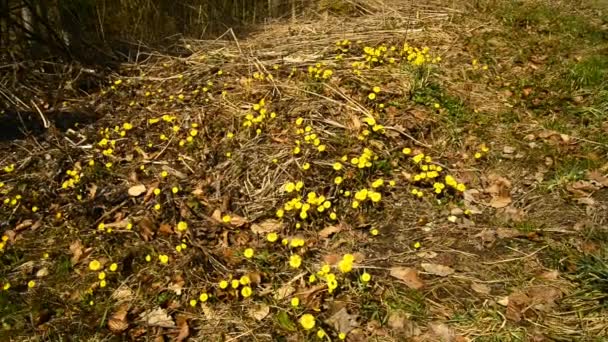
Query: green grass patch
[592,71]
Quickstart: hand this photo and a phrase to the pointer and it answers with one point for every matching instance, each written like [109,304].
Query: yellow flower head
[113,267]
[31,284]
[226,218]
[223,284]
[377,183]
[375,196]
[94,265]
[295,302]
[345,266]
[365,277]
[182,226]
[272,237]
[203,297]
[295,261]
[246,291]
[245,280]
[307,321]
[248,253]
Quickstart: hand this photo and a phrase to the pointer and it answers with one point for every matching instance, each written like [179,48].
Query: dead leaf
[92,191]
[441,332]
[146,228]
[517,304]
[327,231]
[177,287]
[582,185]
[426,254]
[500,190]
[543,297]
[597,176]
[480,288]
[118,320]
[406,328]
[267,226]
[238,221]
[331,259]
[436,269]
[586,201]
[259,311]
[508,149]
[500,202]
[407,275]
[165,229]
[549,275]
[122,293]
[342,321]
[76,249]
[157,318]
[150,193]
[174,172]
[235,220]
[508,233]
[184,329]
[24,224]
[43,272]
[136,190]
[284,292]
[511,213]
[471,197]
[217,216]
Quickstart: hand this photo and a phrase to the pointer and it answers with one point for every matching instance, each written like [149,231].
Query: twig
[515,259]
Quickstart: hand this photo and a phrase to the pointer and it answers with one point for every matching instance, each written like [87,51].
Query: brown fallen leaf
[157,317]
[23,224]
[165,229]
[77,250]
[267,226]
[184,329]
[508,233]
[500,201]
[441,332]
[597,176]
[342,321]
[331,259]
[122,294]
[500,191]
[284,292]
[436,269]
[327,231]
[549,275]
[543,297]
[517,303]
[146,228]
[136,190]
[258,311]
[92,191]
[480,288]
[150,191]
[407,275]
[118,320]
[43,272]
[235,220]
